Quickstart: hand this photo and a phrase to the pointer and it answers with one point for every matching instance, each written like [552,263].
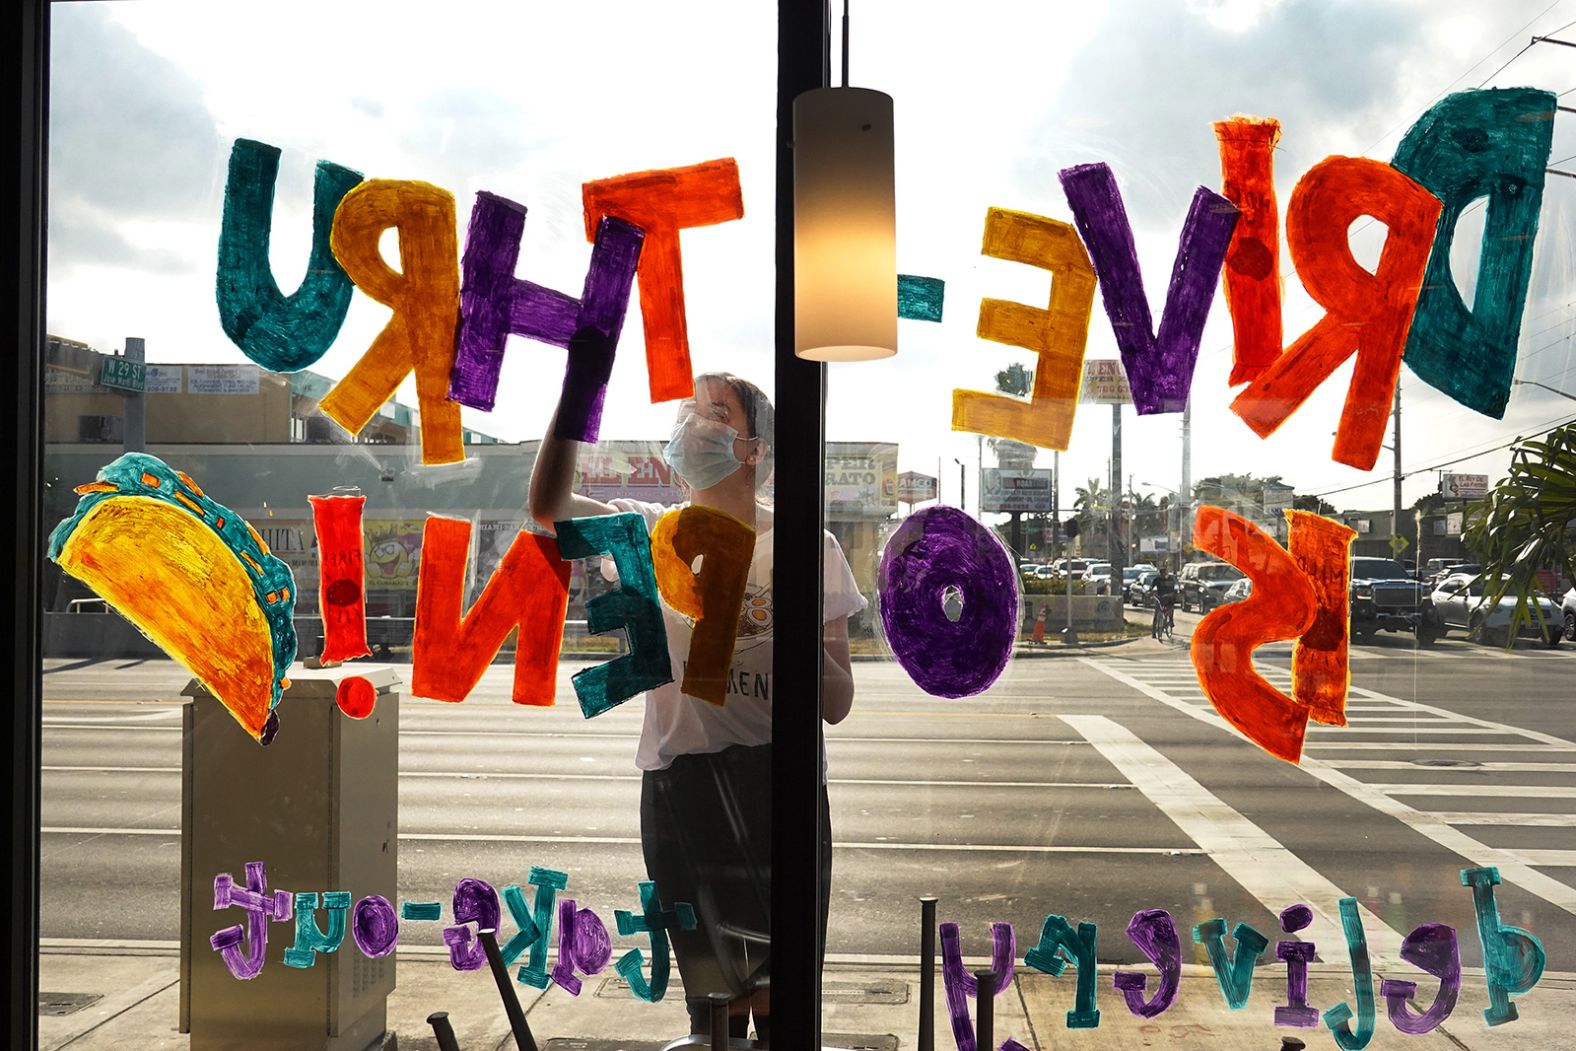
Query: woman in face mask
[705,806]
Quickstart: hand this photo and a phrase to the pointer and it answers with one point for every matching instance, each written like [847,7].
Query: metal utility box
[319,806]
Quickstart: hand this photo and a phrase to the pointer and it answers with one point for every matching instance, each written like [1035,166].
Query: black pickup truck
[1384,597]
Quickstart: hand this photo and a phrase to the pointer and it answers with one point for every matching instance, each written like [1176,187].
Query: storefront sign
[165,379]
[222,379]
[1463,486]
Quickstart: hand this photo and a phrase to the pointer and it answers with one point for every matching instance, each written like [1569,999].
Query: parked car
[1130,575]
[1202,584]
[1384,597]
[1239,590]
[1459,602]
[1097,578]
[1142,587]
[1073,568]
[1568,608]
[1451,565]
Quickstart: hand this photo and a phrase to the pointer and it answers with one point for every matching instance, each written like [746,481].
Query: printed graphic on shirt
[755,617]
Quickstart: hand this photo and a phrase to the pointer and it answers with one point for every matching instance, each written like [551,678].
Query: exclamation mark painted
[342,595]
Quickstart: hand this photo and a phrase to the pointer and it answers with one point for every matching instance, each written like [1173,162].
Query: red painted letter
[529,590]
[662,203]
[1369,313]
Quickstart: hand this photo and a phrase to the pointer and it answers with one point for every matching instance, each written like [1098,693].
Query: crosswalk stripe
[1512,867]
[1518,820]
[1258,861]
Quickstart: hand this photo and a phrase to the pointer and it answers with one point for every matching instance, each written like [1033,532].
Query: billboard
[915,488]
[1278,499]
[610,473]
[861,479]
[1015,490]
[1463,486]
[1105,383]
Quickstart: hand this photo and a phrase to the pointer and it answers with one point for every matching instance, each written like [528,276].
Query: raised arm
[552,497]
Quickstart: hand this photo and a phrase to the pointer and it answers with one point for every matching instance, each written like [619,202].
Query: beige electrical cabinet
[319,806]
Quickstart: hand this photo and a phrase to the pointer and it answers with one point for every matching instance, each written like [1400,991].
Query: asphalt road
[1091,787]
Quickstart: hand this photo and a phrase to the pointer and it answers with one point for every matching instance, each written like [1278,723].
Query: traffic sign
[123,374]
[1398,543]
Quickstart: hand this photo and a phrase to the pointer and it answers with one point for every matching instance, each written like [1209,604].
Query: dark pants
[706,831]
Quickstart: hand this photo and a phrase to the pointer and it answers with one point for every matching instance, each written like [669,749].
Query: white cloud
[531,100]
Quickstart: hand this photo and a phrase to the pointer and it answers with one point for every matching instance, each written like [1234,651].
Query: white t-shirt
[678,724]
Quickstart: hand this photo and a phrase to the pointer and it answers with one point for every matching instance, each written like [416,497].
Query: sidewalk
[866,1007]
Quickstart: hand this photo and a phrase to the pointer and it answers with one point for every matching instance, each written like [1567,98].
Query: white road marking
[486,837]
[1258,861]
[1519,820]
[1439,746]
[1497,791]
[510,775]
[1402,764]
[1556,893]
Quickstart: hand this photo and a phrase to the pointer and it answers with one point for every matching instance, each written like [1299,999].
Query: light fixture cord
[845,43]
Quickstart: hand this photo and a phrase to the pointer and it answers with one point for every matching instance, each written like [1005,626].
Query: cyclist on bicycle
[1165,596]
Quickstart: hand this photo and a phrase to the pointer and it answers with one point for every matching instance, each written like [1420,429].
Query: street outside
[1090,786]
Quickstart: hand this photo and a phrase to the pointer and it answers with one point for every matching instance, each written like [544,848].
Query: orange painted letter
[1282,606]
[1320,671]
[1369,313]
[1253,282]
[425,298]
[662,203]
[712,597]
[529,590]
[1057,335]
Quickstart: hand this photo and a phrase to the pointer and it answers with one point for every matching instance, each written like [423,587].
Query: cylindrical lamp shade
[845,226]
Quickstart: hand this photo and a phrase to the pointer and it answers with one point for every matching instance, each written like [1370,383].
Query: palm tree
[1094,506]
[1528,521]
[1147,517]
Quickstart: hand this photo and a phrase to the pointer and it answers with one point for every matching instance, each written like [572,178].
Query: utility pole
[1056,500]
[1395,446]
[134,423]
[1185,497]
[1118,545]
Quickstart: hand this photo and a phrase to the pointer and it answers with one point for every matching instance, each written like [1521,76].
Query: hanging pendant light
[845,223]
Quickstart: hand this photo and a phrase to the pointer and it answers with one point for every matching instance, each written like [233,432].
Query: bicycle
[1164,620]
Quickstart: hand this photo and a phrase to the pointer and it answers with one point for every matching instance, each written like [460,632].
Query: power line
[1475,65]
[1542,428]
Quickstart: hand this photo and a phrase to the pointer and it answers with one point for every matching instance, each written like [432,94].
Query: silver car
[1459,602]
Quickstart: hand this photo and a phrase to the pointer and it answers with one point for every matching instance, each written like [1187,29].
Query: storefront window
[1194,669]
[189,149]
[1071,791]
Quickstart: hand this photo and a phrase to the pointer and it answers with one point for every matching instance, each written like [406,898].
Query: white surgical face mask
[701,450]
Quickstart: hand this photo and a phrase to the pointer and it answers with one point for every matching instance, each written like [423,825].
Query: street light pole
[1545,386]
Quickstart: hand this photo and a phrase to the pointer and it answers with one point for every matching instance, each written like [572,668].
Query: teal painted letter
[1472,145]
[281,333]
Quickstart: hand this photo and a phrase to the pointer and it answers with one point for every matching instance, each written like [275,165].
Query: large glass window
[162,116]
[1174,677]
[1016,777]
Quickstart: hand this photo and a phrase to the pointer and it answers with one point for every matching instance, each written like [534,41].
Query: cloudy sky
[992,100]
